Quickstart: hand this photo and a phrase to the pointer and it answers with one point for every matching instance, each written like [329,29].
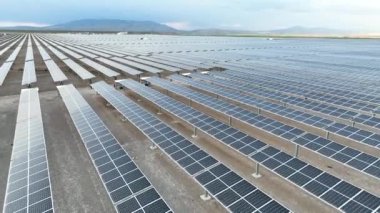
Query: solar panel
[106,51]
[164,59]
[29,185]
[270,157]
[55,72]
[6,66]
[174,64]
[125,69]
[60,55]
[98,53]
[15,53]
[127,187]
[102,69]
[342,130]
[12,41]
[45,56]
[232,191]
[29,50]
[80,71]
[29,75]
[294,93]
[183,60]
[69,52]
[138,65]
[154,64]
[325,147]
[9,46]
[333,96]
[82,52]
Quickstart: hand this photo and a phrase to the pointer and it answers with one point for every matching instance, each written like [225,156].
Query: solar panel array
[154,64]
[348,156]
[89,62]
[29,75]
[55,72]
[289,106]
[116,56]
[29,185]
[126,185]
[6,66]
[5,49]
[75,67]
[137,65]
[313,180]
[296,100]
[231,190]
[353,133]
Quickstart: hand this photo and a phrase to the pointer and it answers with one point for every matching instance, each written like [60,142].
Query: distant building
[122,33]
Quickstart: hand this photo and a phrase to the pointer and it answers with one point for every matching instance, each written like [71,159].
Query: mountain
[112,25]
[115,25]
[103,25]
[218,32]
[298,30]
[292,31]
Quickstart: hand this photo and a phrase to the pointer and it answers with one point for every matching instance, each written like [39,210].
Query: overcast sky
[191,14]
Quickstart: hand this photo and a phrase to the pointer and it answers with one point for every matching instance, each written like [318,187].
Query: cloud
[231,26]
[16,24]
[179,25]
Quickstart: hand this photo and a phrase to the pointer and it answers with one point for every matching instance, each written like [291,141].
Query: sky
[357,15]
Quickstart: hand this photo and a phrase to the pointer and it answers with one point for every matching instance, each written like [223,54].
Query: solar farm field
[157,123]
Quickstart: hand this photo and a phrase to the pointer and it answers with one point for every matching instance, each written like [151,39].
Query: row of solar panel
[126,185]
[304,104]
[232,137]
[341,98]
[141,64]
[345,131]
[335,87]
[143,60]
[29,74]
[168,64]
[327,148]
[55,72]
[28,185]
[282,71]
[6,66]
[232,191]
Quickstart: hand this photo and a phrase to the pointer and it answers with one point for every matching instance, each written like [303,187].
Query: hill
[113,25]
[131,26]
[103,25]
